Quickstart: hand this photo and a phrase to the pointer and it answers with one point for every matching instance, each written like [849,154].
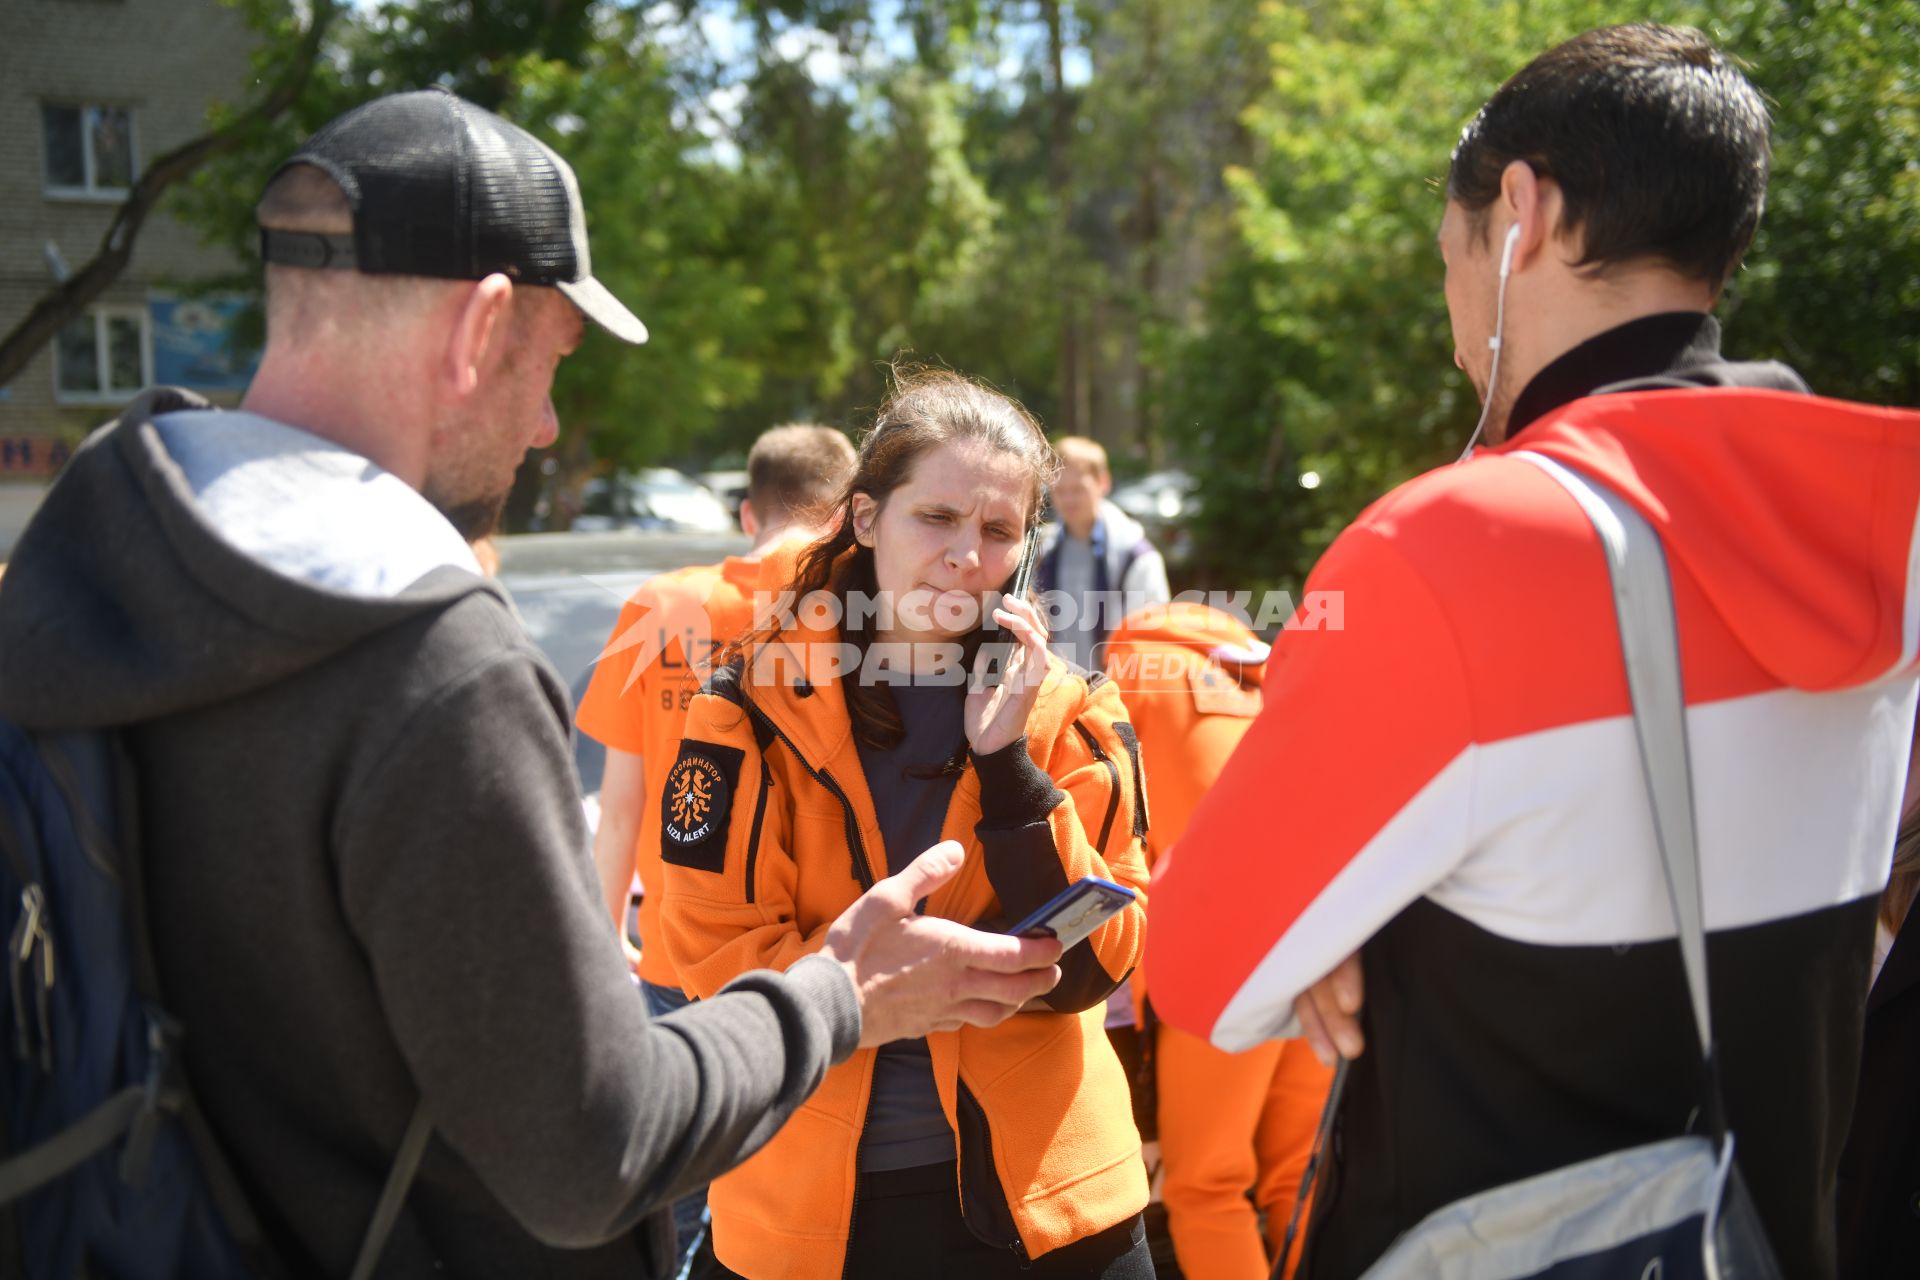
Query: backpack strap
[1140,547]
[413,1146]
[76,768]
[79,772]
[1046,568]
[72,1146]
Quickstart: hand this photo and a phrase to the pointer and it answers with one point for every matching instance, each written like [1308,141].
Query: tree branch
[74,295]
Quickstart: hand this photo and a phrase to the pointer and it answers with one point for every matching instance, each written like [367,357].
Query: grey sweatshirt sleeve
[465,874]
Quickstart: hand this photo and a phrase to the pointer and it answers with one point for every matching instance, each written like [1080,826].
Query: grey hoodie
[367,865]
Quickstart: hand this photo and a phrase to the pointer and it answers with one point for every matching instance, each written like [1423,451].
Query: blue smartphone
[1076,911]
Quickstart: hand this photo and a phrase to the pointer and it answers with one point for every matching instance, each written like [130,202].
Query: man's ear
[749,520]
[1106,483]
[864,511]
[479,327]
[1533,204]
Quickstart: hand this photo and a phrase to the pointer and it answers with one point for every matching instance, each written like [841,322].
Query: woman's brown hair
[927,408]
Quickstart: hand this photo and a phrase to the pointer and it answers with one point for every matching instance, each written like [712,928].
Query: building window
[103,356]
[89,148]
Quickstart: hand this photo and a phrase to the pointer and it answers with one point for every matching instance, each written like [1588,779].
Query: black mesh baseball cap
[442,188]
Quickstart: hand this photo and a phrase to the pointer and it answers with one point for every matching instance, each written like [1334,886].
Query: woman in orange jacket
[1228,1122]
[839,743]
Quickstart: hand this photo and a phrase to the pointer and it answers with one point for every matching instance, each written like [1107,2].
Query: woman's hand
[997,715]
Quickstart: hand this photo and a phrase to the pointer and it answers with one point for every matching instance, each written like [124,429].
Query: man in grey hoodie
[367,871]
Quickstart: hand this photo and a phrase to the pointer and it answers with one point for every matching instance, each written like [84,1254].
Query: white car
[1156,499]
[653,498]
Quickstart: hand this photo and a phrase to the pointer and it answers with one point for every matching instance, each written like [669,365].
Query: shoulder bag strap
[1310,1180]
[1649,643]
[1643,602]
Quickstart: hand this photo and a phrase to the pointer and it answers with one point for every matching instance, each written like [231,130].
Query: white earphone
[1493,343]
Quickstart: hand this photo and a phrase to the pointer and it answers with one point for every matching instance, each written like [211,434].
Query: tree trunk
[1146,227]
[1072,416]
[70,299]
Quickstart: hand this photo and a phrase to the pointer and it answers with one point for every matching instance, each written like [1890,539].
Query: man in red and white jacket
[1449,785]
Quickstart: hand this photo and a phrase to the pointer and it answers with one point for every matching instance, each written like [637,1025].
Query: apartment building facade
[90,92]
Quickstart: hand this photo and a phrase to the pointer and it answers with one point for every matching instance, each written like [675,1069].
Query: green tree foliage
[1199,230]
[867,212]
[664,238]
[1833,283]
[1325,352]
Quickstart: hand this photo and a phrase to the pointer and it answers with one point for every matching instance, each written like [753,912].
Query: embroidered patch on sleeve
[696,806]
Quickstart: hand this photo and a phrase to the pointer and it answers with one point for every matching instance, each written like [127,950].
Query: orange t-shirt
[643,684]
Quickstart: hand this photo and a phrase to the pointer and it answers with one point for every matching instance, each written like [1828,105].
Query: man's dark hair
[797,471]
[1657,141]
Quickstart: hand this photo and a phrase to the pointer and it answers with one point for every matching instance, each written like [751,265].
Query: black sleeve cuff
[1084,981]
[1014,791]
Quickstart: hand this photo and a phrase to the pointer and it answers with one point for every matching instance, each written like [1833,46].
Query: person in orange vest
[660,648]
[840,742]
[1228,1122]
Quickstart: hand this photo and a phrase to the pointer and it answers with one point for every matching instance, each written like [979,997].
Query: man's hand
[916,974]
[1329,1013]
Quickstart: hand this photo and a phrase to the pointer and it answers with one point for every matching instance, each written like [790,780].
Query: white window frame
[91,191]
[100,313]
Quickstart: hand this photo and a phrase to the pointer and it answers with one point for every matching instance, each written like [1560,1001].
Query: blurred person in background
[1229,1124]
[824,753]
[1096,564]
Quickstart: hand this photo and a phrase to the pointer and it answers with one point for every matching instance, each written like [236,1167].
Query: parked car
[1164,502]
[729,486]
[1160,498]
[654,498]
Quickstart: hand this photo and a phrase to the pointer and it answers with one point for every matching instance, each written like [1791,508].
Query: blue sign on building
[194,345]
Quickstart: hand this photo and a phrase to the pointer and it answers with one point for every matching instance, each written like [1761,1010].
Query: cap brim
[604,309]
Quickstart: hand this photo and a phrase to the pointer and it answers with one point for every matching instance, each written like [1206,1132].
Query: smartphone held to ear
[1022,575]
[999,650]
[1076,911]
